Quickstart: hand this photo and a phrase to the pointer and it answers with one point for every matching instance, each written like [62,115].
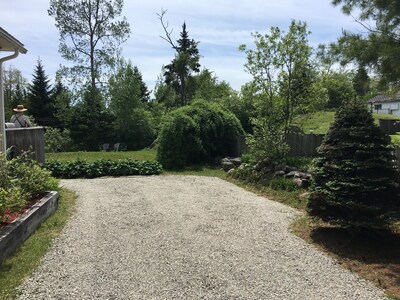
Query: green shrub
[197,134]
[300,162]
[355,177]
[20,180]
[98,168]
[283,184]
[57,140]
[30,177]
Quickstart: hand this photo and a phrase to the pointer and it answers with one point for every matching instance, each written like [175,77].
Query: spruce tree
[355,175]
[40,102]
[179,73]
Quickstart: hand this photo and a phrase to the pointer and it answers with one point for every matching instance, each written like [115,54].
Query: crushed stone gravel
[184,237]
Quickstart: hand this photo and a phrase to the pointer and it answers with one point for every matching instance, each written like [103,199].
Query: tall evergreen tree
[179,73]
[40,102]
[361,82]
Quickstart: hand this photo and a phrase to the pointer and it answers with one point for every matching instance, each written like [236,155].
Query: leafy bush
[20,180]
[283,184]
[300,162]
[355,177]
[98,168]
[268,140]
[57,140]
[197,134]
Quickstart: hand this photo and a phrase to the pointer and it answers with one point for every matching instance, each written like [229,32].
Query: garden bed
[15,233]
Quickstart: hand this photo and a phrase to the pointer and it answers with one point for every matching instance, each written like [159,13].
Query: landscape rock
[262,164]
[236,161]
[304,196]
[290,169]
[293,174]
[231,171]
[280,167]
[279,173]
[227,165]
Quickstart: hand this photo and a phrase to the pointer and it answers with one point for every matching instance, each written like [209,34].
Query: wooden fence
[389,126]
[304,144]
[25,139]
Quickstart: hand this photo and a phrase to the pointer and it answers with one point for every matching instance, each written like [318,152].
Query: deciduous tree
[280,66]
[90,35]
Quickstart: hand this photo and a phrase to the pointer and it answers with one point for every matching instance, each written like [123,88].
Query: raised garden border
[15,233]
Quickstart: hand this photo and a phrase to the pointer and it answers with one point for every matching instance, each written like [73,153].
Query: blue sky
[220,27]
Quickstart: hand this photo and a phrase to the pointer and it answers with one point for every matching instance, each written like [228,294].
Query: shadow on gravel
[373,255]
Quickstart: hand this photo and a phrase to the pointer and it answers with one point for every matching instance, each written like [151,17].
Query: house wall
[391,108]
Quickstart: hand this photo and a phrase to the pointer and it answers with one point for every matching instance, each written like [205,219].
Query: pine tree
[40,102]
[179,73]
[355,176]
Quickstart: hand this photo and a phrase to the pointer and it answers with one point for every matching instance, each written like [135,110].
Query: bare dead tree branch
[168,33]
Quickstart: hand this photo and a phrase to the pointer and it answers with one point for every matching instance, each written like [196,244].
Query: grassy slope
[319,122]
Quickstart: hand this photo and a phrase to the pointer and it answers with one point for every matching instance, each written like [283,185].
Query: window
[378,106]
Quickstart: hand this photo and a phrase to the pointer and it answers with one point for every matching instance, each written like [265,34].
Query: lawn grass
[27,257]
[145,154]
[319,122]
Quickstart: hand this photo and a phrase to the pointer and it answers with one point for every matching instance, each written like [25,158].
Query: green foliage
[282,86]
[98,168]
[90,35]
[268,140]
[179,73]
[15,90]
[209,88]
[41,104]
[20,180]
[355,177]
[134,124]
[378,46]
[16,268]
[179,141]
[339,88]
[91,123]
[57,140]
[300,162]
[145,154]
[282,184]
[196,134]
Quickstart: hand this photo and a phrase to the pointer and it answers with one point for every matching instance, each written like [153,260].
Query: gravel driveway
[184,237]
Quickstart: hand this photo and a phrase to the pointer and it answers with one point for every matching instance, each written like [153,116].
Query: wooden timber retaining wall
[26,139]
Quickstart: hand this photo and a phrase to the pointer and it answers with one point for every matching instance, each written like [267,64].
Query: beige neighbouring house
[8,43]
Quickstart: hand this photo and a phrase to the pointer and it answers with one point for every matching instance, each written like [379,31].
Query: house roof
[382,98]
[10,43]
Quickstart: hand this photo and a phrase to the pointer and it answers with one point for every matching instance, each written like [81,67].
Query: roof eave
[10,43]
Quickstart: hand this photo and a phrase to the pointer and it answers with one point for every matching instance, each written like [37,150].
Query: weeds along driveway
[184,237]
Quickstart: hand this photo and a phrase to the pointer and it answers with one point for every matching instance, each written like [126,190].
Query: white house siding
[392,108]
